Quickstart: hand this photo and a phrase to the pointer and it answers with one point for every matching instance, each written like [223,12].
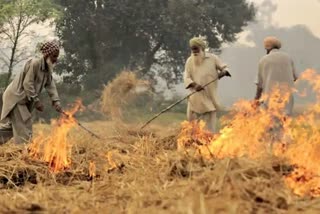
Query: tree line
[102,37]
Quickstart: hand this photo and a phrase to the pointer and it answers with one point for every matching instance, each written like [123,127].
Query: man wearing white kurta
[276,71]
[201,68]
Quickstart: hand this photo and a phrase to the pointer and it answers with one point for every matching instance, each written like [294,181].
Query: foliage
[16,20]
[101,37]
[3,78]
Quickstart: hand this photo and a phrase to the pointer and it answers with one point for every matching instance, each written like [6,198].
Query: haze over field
[293,21]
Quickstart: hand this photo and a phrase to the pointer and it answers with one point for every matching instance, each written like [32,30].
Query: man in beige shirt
[22,95]
[276,71]
[201,68]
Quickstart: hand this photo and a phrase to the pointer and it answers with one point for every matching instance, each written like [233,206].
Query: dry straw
[151,177]
[119,92]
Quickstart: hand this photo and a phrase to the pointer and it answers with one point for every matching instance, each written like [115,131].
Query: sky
[295,12]
[288,13]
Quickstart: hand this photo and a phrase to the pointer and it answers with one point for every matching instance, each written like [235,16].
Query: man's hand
[57,106]
[258,93]
[196,86]
[227,74]
[224,74]
[255,104]
[39,106]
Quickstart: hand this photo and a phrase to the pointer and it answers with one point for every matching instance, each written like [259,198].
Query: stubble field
[142,172]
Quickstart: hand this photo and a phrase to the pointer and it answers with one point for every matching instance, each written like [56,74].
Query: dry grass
[151,176]
[119,92]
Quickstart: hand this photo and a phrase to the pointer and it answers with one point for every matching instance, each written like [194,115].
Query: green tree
[16,18]
[101,37]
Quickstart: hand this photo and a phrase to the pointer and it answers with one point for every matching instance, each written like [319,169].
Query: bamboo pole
[175,104]
[81,126]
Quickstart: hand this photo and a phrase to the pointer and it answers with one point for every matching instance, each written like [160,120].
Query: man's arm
[188,81]
[221,67]
[294,72]
[259,83]
[258,93]
[28,82]
[52,91]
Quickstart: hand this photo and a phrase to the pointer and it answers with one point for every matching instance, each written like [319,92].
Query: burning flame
[111,161]
[55,148]
[92,169]
[256,132]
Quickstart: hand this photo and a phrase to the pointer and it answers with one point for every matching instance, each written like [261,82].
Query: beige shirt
[206,100]
[276,68]
[26,87]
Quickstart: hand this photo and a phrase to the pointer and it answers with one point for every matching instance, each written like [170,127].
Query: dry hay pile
[134,171]
[142,172]
[119,92]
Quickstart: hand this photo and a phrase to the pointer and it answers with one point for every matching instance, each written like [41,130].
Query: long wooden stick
[175,104]
[81,126]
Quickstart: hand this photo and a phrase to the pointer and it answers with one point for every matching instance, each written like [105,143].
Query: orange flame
[111,161]
[92,169]
[55,149]
[255,132]
[313,79]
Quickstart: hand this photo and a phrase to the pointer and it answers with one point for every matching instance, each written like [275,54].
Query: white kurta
[277,70]
[206,100]
[204,104]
